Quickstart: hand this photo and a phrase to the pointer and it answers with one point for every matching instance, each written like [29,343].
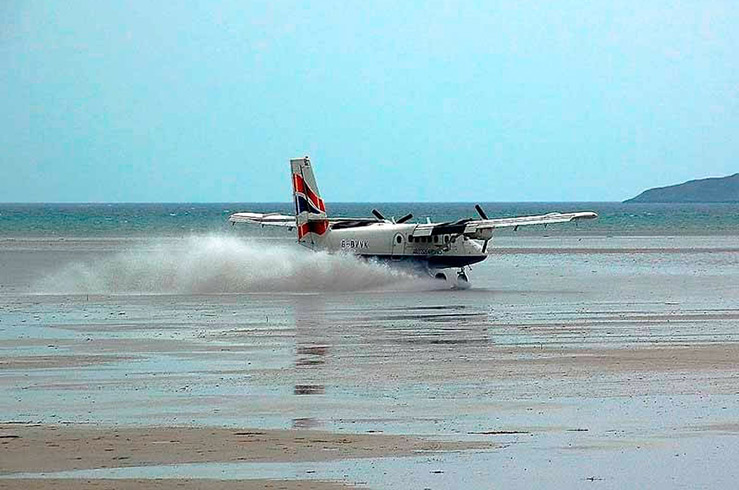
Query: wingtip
[584,215]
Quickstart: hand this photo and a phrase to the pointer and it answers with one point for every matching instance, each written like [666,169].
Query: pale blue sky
[394,101]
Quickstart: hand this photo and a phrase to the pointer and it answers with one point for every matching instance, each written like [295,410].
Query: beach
[573,362]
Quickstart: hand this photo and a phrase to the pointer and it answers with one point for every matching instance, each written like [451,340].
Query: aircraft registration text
[354,244]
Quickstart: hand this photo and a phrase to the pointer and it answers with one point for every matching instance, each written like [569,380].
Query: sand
[43,448]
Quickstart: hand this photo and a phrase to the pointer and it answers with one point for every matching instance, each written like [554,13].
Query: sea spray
[215,264]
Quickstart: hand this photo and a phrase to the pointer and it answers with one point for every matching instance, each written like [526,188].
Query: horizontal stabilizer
[277,219]
[271,219]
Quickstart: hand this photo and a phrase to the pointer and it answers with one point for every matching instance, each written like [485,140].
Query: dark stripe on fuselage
[431,261]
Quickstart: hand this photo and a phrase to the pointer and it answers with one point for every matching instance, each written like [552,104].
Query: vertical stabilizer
[310,210]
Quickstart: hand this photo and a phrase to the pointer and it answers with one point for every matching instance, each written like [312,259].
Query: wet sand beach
[168,484]
[573,362]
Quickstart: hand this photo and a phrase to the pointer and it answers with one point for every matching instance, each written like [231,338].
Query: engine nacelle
[484,234]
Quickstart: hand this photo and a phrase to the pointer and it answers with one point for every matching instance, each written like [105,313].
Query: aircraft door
[398,245]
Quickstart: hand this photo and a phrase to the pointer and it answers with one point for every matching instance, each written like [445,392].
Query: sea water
[147,220]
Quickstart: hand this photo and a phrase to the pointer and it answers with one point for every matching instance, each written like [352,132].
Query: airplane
[430,247]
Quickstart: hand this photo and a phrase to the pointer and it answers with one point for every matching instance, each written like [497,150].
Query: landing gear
[463,282]
[458,281]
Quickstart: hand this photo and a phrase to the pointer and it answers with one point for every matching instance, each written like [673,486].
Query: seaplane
[433,248]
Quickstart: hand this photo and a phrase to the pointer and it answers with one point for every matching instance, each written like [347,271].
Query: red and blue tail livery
[305,199]
[310,210]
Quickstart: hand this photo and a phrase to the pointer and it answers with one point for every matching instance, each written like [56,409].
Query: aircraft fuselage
[395,242]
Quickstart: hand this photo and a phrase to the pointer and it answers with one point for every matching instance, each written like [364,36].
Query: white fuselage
[396,242]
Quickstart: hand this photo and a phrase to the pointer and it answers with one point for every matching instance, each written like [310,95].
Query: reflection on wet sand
[312,348]
[311,355]
[310,389]
[305,423]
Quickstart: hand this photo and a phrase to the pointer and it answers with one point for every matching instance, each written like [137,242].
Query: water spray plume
[218,264]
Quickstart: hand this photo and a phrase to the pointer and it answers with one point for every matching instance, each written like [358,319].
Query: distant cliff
[721,189]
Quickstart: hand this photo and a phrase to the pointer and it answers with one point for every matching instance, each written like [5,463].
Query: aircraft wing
[543,219]
[482,229]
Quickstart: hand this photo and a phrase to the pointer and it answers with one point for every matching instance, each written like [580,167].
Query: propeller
[405,218]
[381,217]
[482,214]
[378,215]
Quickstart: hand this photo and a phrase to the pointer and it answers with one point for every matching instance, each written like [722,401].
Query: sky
[140,101]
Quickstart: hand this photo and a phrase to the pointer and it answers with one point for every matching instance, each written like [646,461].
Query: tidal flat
[196,363]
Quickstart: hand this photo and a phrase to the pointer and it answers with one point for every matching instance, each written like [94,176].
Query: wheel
[463,282]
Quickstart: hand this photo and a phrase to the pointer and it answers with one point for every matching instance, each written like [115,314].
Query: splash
[222,264]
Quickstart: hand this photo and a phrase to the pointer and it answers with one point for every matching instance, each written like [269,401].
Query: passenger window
[399,239]
[410,238]
[446,238]
[436,238]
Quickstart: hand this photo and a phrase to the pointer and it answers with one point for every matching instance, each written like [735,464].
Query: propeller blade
[405,218]
[378,215]
[480,211]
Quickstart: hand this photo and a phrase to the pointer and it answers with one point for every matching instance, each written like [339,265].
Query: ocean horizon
[102,220]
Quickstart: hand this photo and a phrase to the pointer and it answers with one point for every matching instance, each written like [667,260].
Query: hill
[719,189]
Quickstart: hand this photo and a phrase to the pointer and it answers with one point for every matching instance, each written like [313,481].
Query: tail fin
[310,210]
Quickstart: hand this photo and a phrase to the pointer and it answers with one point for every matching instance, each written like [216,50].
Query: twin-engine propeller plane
[432,246]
